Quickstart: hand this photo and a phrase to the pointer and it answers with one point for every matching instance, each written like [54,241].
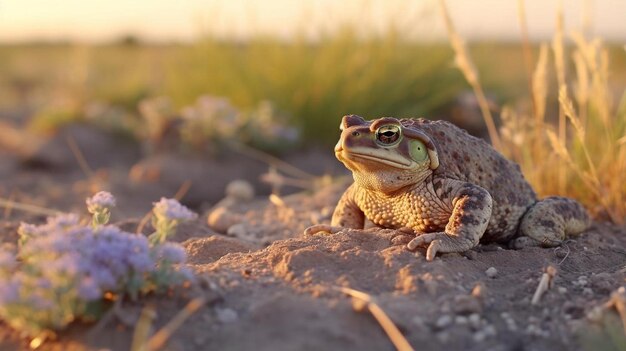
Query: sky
[184,20]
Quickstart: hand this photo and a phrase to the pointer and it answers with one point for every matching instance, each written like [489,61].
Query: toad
[449,189]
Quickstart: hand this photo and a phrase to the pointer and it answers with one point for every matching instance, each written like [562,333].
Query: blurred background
[309,61]
[274,77]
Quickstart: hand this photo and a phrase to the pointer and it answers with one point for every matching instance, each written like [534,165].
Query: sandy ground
[269,287]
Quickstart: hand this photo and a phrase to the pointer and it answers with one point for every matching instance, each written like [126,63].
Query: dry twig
[142,330]
[394,334]
[544,284]
[464,62]
[159,338]
[28,207]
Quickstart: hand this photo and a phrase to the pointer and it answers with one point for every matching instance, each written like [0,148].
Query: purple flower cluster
[102,199]
[171,209]
[62,266]
[168,213]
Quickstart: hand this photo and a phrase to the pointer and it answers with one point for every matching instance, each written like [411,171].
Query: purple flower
[100,206]
[171,252]
[101,200]
[171,209]
[62,264]
[141,263]
[61,221]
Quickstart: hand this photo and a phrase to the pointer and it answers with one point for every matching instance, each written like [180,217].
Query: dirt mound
[451,303]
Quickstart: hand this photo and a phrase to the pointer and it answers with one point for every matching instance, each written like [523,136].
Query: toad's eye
[388,135]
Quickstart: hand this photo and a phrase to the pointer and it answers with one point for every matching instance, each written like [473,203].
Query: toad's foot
[440,242]
[551,221]
[322,228]
[402,236]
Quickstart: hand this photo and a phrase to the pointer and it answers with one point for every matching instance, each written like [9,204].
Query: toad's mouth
[379,157]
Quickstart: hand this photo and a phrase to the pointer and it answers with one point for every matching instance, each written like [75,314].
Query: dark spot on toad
[547,223]
[469,220]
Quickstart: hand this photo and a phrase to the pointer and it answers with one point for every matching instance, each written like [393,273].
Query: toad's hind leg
[550,221]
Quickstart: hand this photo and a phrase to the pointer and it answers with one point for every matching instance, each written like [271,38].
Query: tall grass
[582,152]
[318,82]
[314,82]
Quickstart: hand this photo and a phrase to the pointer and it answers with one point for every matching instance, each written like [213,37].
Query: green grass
[314,83]
[318,83]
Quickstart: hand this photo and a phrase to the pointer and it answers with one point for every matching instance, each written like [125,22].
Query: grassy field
[313,83]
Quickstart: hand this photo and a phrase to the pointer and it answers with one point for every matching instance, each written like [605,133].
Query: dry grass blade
[183,190]
[591,182]
[568,109]
[540,93]
[80,157]
[466,66]
[158,340]
[559,62]
[582,87]
[28,207]
[394,334]
[142,330]
[270,160]
[526,49]
[544,284]
[540,86]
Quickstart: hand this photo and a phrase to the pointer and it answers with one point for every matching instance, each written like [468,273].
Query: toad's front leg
[347,215]
[470,216]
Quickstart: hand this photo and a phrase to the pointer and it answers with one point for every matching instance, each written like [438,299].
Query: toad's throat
[390,159]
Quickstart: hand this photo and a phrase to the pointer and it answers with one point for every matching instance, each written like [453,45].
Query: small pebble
[510,323]
[226,315]
[461,320]
[491,272]
[240,190]
[562,289]
[443,321]
[474,320]
[418,321]
[238,230]
[479,336]
[490,330]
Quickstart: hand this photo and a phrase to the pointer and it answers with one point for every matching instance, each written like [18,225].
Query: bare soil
[269,287]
